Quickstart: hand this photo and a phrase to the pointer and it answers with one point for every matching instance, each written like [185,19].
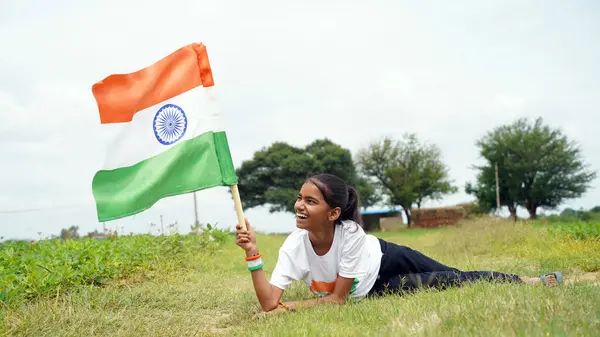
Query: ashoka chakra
[170,124]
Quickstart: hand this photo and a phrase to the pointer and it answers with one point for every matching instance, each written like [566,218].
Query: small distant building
[382,219]
[98,236]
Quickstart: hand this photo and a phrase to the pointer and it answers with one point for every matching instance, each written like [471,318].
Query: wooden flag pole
[237,202]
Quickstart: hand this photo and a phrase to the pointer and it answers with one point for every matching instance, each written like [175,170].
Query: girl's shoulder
[351,228]
[351,233]
[294,240]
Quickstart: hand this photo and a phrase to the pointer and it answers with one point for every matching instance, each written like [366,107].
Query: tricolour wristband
[255,264]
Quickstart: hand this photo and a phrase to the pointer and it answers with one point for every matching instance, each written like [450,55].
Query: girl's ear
[334,214]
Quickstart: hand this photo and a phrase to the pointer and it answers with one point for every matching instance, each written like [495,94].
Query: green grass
[30,270]
[209,292]
[577,230]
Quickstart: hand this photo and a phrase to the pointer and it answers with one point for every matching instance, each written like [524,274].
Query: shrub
[47,267]
[580,230]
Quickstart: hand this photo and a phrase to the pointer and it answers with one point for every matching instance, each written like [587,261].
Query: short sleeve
[291,262]
[285,271]
[353,262]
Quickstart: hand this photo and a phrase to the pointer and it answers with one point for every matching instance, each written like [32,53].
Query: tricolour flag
[172,141]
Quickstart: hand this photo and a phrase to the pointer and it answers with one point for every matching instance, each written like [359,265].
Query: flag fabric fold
[172,140]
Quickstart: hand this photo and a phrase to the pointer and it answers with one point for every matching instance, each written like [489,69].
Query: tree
[70,233]
[569,212]
[595,209]
[406,171]
[538,167]
[368,193]
[275,174]
[433,182]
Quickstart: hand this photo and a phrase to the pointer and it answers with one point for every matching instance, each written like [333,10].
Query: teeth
[302,216]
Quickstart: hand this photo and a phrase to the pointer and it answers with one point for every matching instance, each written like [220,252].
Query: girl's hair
[338,194]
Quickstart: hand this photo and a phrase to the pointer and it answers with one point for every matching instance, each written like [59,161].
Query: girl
[336,259]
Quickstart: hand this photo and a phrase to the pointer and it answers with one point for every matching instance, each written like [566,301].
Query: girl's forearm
[309,303]
[265,292]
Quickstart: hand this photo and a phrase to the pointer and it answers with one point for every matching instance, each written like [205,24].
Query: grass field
[209,292]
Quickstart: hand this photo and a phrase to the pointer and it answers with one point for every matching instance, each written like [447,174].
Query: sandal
[552,279]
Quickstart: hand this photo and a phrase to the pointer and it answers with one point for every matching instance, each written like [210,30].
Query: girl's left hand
[277,310]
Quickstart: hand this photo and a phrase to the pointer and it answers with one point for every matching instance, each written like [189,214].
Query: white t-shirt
[353,254]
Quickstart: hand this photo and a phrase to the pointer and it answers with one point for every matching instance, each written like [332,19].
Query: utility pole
[162,228]
[195,210]
[497,189]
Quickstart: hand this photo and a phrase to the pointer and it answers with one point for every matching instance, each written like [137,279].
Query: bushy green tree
[275,174]
[405,171]
[537,167]
[70,233]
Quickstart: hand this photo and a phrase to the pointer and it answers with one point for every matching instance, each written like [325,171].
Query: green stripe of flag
[194,164]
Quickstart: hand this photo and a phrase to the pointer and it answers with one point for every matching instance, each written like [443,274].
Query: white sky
[447,71]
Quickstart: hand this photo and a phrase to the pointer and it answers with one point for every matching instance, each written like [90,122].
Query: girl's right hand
[245,238]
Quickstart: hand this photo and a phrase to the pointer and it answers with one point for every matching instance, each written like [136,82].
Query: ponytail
[352,210]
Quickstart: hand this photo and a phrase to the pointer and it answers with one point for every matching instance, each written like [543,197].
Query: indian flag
[172,141]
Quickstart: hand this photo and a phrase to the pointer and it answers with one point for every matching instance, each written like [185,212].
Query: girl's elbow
[335,299]
[269,306]
[340,299]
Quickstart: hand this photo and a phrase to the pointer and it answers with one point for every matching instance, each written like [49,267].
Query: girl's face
[312,212]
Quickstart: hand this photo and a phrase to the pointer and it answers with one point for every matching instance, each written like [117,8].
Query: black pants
[404,269]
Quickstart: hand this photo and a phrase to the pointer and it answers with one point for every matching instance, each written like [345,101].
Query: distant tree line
[570,214]
[538,167]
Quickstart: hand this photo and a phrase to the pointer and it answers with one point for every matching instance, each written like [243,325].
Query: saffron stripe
[119,97]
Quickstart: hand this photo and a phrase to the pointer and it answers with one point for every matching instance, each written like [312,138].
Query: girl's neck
[322,240]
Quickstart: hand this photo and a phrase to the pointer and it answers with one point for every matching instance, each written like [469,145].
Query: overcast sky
[449,71]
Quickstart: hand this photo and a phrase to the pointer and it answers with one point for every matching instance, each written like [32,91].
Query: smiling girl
[336,259]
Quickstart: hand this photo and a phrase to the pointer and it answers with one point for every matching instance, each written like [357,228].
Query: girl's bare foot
[531,280]
[550,280]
